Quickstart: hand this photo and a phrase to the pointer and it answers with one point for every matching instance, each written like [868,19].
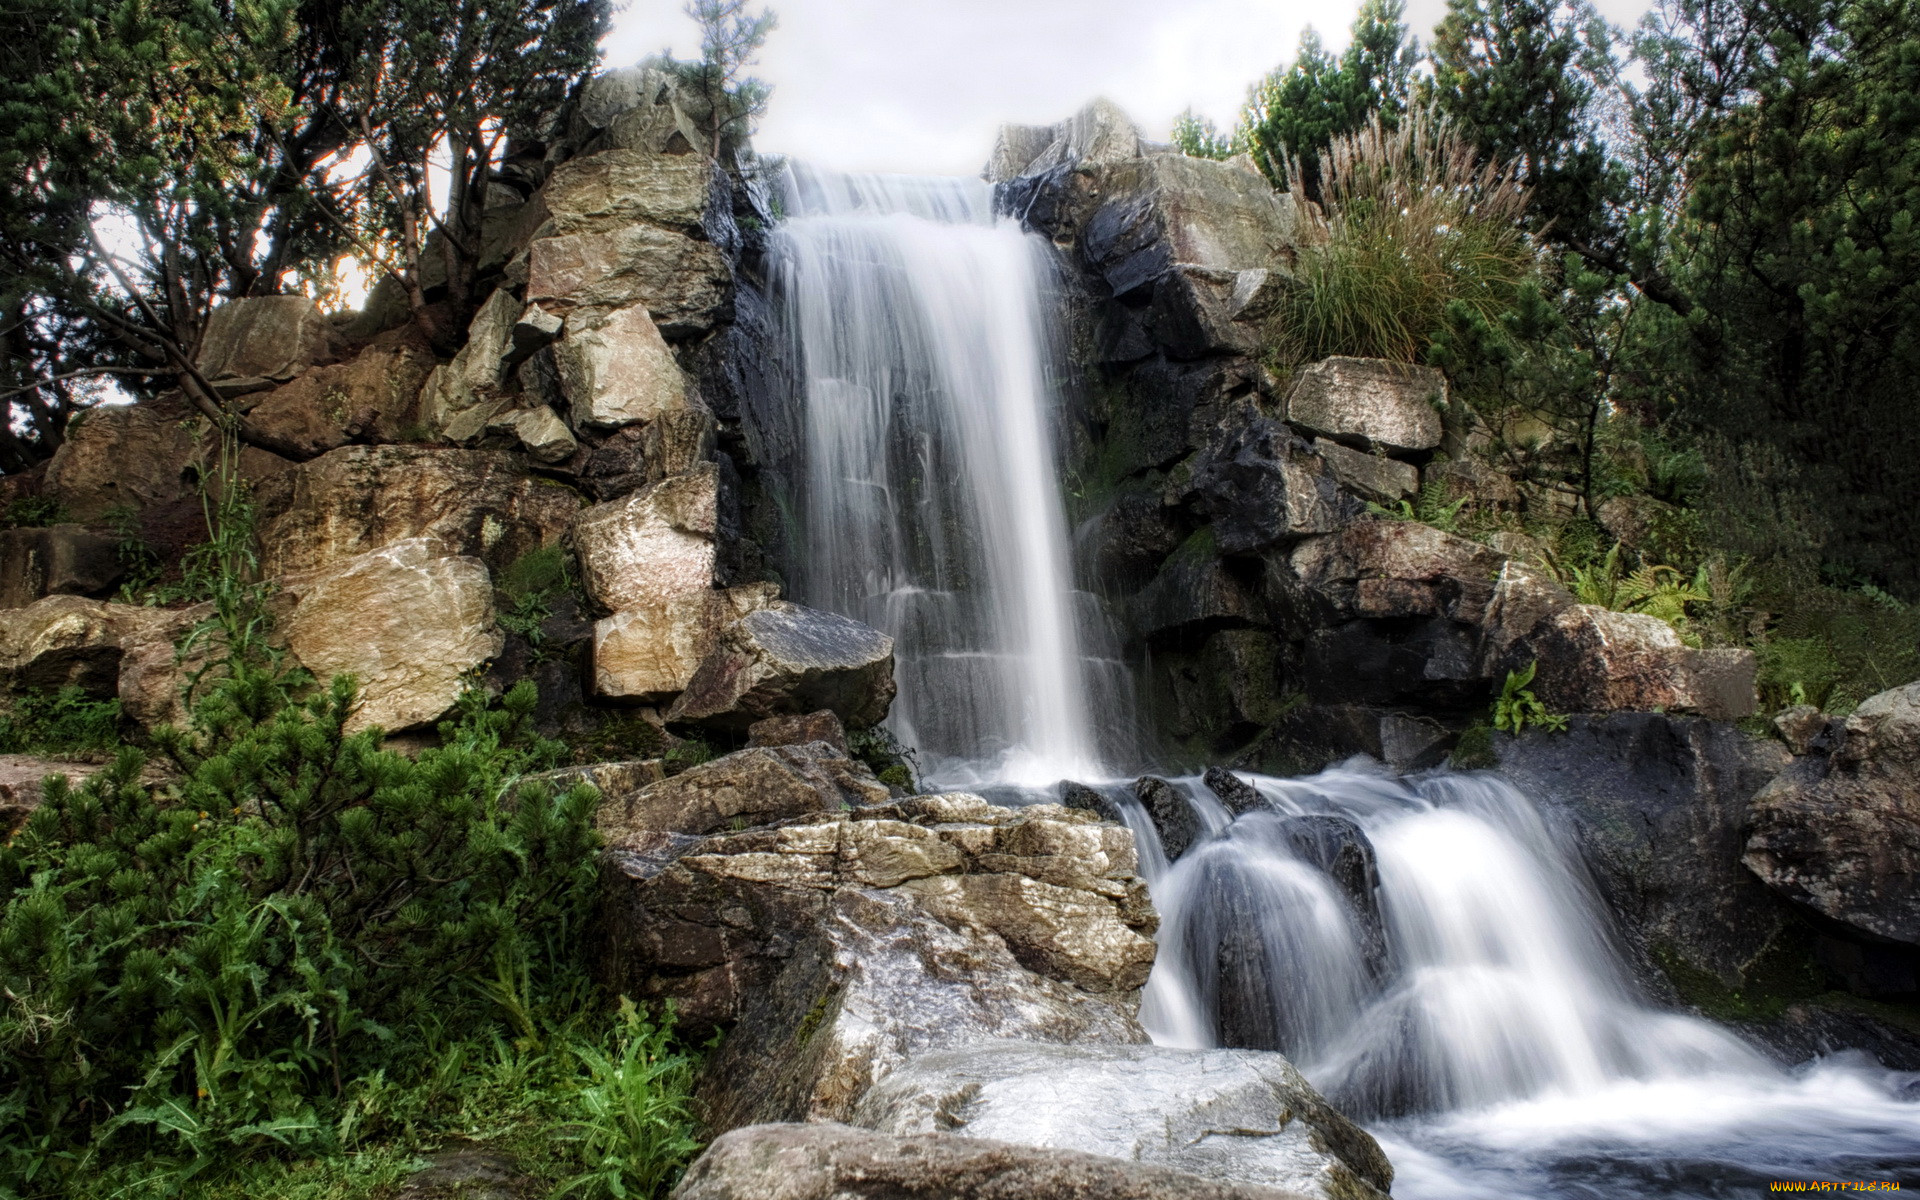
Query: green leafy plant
[894,764]
[636,1130]
[528,589]
[1517,708]
[27,512]
[1429,506]
[67,721]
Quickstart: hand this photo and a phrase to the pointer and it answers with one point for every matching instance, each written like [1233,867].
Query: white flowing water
[932,507]
[1425,949]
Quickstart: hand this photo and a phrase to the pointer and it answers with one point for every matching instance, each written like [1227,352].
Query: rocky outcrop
[1839,834]
[757,786]
[63,641]
[786,659]
[263,339]
[827,1161]
[61,560]
[615,369]
[122,456]
[482,503]
[1231,1116]
[372,397]
[1592,659]
[798,730]
[1369,404]
[650,653]
[362,617]
[652,546]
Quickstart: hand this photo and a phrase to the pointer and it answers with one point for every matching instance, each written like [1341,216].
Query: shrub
[1517,707]
[65,722]
[1413,224]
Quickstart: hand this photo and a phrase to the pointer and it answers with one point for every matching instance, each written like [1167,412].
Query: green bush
[529,587]
[65,722]
[892,763]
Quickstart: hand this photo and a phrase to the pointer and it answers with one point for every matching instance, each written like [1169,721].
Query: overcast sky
[921,85]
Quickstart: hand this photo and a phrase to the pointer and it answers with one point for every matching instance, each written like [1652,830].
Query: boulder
[629,186]
[1370,476]
[1310,737]
[1840,835]
[650,653]
[1081,798]
[683,282]
[408,621]
[1260,485]
[1523,599]
[1805,729]
[756,786]
[789,659]
[1388,569]
[373,396]
[60,560]
[798,730]
[155,672]
[615,369]
[1369,403]
[117,456]
[1097,135]
[1172,815]
[540,432]
[266,338]
[1230,1116]
[653,546]
[1471,478]
[718,922]
[1592,659]
[359,498]
[1193,589]
[470,1174]
[828,1161]
[466,393]
[63,641]
[1237,794]
[1659,808]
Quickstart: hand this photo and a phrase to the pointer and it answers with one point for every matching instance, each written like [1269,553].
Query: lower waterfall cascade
[1426,948]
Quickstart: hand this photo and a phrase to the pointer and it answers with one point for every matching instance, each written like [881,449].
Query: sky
[920,86]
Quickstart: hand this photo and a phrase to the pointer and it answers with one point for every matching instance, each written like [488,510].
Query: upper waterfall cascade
[932,503]
[1473,1007]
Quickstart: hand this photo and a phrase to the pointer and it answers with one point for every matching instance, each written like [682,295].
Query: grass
[67,722]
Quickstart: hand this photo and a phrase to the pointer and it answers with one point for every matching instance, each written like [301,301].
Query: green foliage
[64,722]
[1295,113]
[1429,506]
[1197,137]
[730,38]
[637,1131]
[1654,589]
[1516,707]
[29,512]
[1415,230]
[1474,749]
[686,753]
[895,764]
[528,588]
[1840,645]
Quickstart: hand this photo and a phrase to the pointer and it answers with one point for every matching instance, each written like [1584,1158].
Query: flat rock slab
[1236,1116]
[789,659]
[825,1161]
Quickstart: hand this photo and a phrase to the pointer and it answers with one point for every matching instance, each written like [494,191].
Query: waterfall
[932,507]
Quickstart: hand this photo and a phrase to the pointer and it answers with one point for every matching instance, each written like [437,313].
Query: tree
[1296,112]
[730,40]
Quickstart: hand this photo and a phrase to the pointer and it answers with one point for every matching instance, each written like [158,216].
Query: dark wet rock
[1194,589]
[1085,799]
[1170,812]
[1841,835]
[1369,404]
[790,659]
[1816,1030]
[825,1161]
[1144,1104]
[1425,662]
[1311,737]
[1338,847]
[1659,807]
[1260,485]
[1236,793]
[1368,476]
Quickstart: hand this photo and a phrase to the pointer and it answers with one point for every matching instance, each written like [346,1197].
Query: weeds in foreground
[1516,708]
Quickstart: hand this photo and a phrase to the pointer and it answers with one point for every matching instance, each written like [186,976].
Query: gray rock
[615,369]
[1592,659]
[1369,403]
[1095,136]
[825,1161]
[56,561]
[1260,486]
[1170,209]
[1524,597]
[1392,569]
[1232,1116]
[1236,793]
[266,338]
[540,432]
[685,283]
[1841,835]
[756,786]
[1170,812]
[798,730]
[1082,798]
[619,187]
[1805,729]
[786,658]
[471,1174]
[1369,476]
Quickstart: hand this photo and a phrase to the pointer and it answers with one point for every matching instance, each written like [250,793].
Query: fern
[1517,707]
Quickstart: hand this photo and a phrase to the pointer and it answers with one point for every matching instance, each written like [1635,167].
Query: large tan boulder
[632,185]
[1592,659]
[374,395]
[684,282]
[615,369]
[749,787]
[650,653]
[828,1161]
[62,641]
[266,338]
[1841,834]
[786,658]
[359,498]
[646,549]
[466,393]
[408,621]
[117,456]
[1369,403]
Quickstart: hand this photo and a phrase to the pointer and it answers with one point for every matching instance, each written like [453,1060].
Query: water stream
[1426,949]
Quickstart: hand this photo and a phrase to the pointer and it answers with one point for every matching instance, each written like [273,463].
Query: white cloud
[921,85]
